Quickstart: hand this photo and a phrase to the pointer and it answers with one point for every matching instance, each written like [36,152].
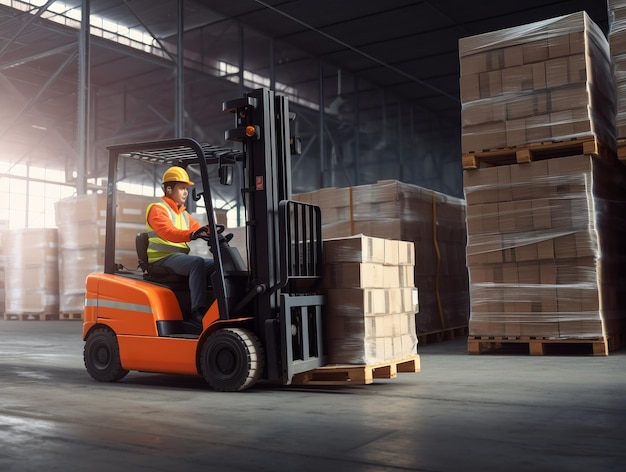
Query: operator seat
[152,272]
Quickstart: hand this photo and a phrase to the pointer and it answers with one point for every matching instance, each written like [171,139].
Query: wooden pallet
[342,374]
[444,335]
[71,316]
[536,152]
[31,316]
[536,346]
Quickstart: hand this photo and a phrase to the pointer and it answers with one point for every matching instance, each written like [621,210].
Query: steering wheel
[219,229]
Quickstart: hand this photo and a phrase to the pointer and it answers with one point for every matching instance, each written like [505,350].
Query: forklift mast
[285,244]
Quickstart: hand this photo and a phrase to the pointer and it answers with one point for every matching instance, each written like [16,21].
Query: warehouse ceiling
[403,49]
[405,46]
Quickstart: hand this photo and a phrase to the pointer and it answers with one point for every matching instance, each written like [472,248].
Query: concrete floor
[461,413]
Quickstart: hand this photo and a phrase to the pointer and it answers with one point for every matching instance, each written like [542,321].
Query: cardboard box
[31,247]
[470,87]
[490,84]
[513,56]
[483,137]
[354,275]
[406,253]
[42,277]
[92,207]
[35,301]
[399,276]
[88,234]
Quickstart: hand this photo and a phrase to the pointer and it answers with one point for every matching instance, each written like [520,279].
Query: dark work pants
[197,269]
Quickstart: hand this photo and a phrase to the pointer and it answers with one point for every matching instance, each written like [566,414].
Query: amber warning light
[250,131]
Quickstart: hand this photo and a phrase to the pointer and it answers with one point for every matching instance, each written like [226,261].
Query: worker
[170,227]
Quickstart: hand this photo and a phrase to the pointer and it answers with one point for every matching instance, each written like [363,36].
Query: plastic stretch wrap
[546,81]
[81,222]
[370,300]
[32,272]
[617,43]
[432,221]
[4,235]
[545,248]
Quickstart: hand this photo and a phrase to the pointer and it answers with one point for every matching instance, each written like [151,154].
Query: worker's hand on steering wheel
[200,233]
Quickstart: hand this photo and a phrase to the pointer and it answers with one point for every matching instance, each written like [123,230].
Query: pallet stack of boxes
[543,247]
[81,223]
[32,274]
[432,221]
[546,81]
[617,44]
[370,300]
[4,235]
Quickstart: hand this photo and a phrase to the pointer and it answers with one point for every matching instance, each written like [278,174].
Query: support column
[83,97]
[180,71]
[241,59]
[357,134]
[400,144]
[272,68]
[321,123]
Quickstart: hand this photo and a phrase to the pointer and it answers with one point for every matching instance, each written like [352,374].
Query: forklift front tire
[232,359]
[102,356]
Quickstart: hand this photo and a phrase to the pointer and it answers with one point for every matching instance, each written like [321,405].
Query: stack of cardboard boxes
[543,251]
[617,43]
[433,222]
[543,247]
[81,223]
[4,235]
[546,81]
[32,273]
[371,300]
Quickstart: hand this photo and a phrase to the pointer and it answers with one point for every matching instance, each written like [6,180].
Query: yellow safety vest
[159,248]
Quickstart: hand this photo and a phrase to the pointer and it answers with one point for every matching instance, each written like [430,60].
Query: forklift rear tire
[232,360]
[102,356]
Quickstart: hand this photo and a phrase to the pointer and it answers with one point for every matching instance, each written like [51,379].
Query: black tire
[102,356]
[232,360]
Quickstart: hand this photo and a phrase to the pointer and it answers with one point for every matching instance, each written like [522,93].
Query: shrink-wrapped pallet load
[617,43]
[546,81]
[545,249]
[31,274]
[81,223]
[4,235]
[542,250]
[371,300]
[432,221]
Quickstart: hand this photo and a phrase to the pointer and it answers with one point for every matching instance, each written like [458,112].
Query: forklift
[265,319]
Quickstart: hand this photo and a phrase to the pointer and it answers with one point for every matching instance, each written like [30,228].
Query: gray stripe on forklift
[118,305]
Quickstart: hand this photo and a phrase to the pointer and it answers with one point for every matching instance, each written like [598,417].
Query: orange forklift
[265,319]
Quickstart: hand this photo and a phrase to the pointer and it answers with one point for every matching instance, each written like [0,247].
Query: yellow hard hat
[176,174]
